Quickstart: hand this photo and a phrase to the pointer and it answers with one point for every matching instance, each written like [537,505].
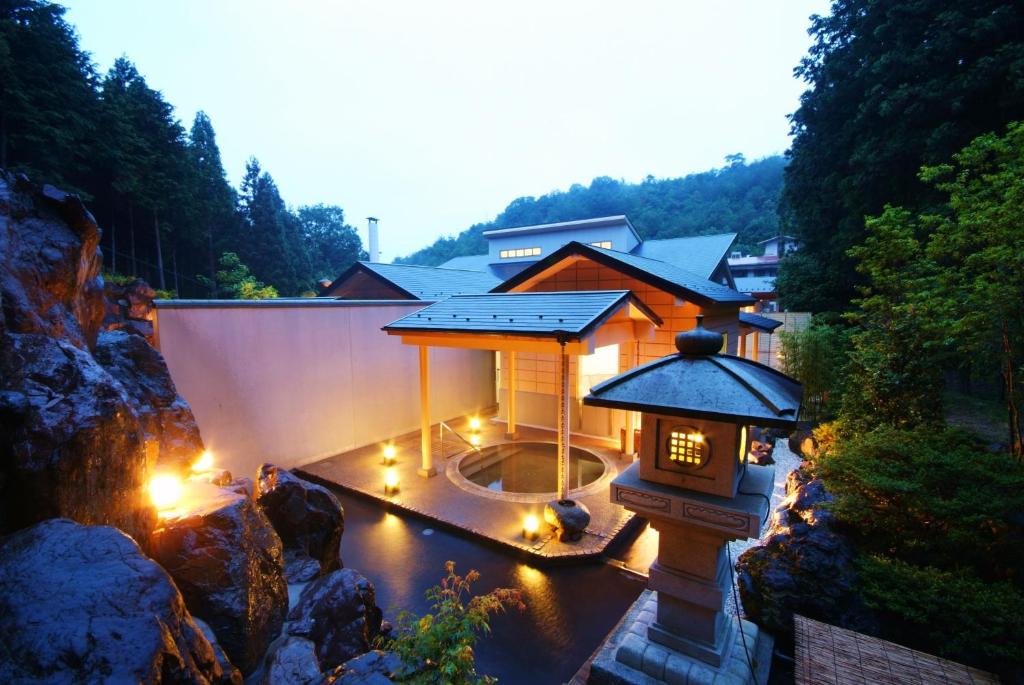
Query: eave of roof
[703,253]
[760,322]
[449,281]
[658,274]
[557,315]
[598,222]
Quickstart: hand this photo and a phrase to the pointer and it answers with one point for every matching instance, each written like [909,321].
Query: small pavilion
[565,324]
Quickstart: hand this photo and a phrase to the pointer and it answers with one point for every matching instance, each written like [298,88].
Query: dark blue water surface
[569,610]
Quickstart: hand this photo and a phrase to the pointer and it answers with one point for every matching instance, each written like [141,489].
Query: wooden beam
[755,352]
[563,425]
[426,457]
[743,344]
[505,343]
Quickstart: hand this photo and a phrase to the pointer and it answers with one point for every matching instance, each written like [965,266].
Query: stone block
[653,662]
[631,651]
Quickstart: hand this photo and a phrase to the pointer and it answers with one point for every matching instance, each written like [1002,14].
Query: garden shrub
[816,356]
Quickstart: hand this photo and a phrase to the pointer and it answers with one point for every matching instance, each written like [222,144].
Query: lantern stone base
[631,657]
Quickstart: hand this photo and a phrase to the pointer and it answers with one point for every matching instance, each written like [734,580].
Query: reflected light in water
[544,606]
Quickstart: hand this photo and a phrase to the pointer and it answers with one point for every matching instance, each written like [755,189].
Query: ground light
[530,527]
[204,462]
[389,455]
[474,440]
[390,482]
[474,423]
[165,490]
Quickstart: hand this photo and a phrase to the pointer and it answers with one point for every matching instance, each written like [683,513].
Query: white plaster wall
[294,382]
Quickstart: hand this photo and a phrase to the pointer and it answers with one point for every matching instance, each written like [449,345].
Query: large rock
[231,675]
[803,566]
[568,517]
[49,263]
[228,563]
[309,519]
[83,604]
[339,613]
[170,427]
[292,661]
[373,668]
[70,443]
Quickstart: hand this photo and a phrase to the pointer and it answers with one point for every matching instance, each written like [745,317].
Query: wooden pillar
[563,424]
[512,382]
[426,458]
[742,352]
[632,354]
[755,353]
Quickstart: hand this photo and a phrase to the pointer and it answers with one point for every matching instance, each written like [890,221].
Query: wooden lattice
[827,655]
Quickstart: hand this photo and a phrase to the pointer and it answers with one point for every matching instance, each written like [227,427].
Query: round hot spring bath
[528,467]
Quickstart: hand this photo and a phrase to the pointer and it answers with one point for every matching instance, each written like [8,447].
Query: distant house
[756,276]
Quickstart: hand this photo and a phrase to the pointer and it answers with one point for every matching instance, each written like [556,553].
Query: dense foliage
[893,86]
[937,525]
[437,648]
[817,357]
[738,198]
[160,193]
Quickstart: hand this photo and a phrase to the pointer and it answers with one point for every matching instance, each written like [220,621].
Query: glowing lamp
[165,490]
[530,527]
[474,440]
[390,482]
[389,454]
[204,462]
[474,423]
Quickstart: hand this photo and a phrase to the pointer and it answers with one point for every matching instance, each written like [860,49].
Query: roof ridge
[425,266]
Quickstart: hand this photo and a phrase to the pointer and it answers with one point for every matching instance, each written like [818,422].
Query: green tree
[817,357]
[437,648]
[332,244]
[213,198]
[47,97]
[893,86]
[234,280]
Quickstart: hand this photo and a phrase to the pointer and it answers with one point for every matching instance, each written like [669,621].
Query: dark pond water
[569,608]
[528,467]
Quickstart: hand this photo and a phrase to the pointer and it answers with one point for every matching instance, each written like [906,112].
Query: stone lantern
[693,483]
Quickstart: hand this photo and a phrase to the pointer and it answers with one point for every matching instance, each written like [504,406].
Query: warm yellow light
[390,481]
[204,462]
[697,437]
[474,440]
[474,423]
[165,490]
[531,524]
[389,454]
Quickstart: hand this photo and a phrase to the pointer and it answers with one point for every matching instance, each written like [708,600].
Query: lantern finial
[699,340]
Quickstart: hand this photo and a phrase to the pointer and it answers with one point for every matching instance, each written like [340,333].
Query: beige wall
[294,381]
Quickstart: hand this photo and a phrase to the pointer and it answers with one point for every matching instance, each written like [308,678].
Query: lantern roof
[700,382]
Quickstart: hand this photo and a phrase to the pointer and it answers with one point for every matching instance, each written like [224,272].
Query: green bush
[928,497]
[816,356]
[437,648]
[951,613]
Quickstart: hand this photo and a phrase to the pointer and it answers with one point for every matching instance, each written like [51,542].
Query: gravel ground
[785,461]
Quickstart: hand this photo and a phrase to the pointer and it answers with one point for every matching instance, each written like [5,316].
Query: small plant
[437,647]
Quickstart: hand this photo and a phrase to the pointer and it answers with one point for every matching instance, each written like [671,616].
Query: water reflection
[529,467]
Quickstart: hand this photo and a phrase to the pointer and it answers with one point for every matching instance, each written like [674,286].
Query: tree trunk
[131,233]
[113,248]
[213,263]
[159,252]
[1009,385]
[174,266]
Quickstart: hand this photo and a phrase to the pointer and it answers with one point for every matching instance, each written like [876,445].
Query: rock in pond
[228,563]
[339,613]
[84,604]
[170,427]
[307,516]
[373,668]
[568,517]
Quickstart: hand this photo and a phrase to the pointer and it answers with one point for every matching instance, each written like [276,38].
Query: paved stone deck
[440,499]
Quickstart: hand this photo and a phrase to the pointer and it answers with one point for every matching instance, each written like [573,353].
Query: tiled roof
[423,282]
[699,254]
[599,222]
[473,262]
[531,314]
[760,322]
[659,274]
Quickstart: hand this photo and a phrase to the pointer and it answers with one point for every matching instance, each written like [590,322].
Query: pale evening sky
[434,115]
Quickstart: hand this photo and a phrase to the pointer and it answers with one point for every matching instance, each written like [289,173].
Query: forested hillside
[160,192]
[740,198]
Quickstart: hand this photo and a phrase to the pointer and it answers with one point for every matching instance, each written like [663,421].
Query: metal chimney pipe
[374,247]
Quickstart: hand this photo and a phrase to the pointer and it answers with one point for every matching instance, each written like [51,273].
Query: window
[519,252]
[687,448]
[606,244]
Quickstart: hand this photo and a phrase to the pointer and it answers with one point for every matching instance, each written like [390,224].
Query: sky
[433,116]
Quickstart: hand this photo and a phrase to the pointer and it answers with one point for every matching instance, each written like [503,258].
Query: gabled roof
[421,282]
[759,322]
[659,274]
[755,284]
[599,222]
[776,237]
[700,254]
[565,315]
[472,262]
